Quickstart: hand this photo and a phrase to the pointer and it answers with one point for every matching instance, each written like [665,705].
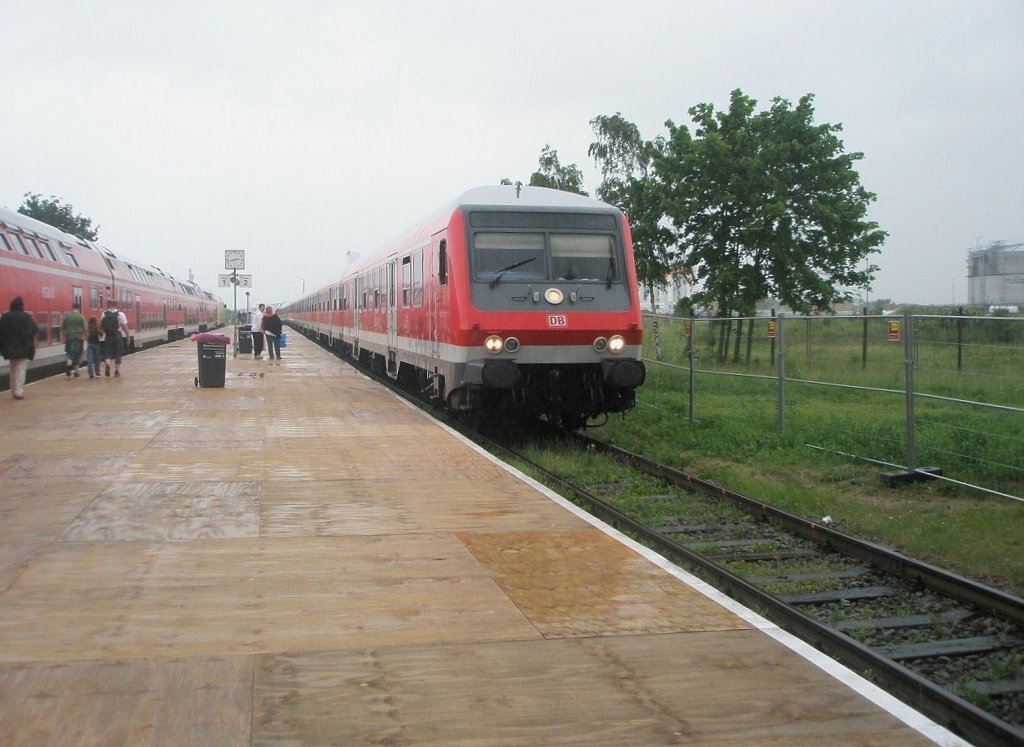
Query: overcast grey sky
[303,130]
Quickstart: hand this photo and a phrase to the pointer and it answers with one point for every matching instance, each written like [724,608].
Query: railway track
[948,646]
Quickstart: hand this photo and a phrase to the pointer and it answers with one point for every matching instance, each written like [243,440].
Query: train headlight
[616,344]
[511,345]
[600,344]
[494,344]
[553,296]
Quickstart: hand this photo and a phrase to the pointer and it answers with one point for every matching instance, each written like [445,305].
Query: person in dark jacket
[18,332]
[272,327]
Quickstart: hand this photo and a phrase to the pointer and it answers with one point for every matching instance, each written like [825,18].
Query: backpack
[110,324]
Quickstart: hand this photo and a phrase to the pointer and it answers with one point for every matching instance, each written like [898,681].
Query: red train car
[516,302]
[51,270]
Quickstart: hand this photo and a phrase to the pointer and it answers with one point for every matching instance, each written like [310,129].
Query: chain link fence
[938,397]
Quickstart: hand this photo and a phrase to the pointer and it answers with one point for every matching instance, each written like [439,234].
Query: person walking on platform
[72,326]
[113,324]
[257,331]
[18,343]
[93,347]
[272,327]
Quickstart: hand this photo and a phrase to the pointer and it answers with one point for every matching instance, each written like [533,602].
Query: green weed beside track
[734,442]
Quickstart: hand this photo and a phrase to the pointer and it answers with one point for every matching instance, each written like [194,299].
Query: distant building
[995,275]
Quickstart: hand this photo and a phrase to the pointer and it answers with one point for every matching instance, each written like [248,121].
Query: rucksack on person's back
[109,323]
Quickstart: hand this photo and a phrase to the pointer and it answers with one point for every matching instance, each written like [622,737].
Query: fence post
[690,355]
[864,341]
[908,368]
[782,373]
[960,340]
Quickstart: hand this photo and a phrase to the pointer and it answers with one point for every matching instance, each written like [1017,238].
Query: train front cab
[553,328]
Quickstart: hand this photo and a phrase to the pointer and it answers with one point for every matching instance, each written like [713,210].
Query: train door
[438,276]
[392,318]
[138,321]
[357,308]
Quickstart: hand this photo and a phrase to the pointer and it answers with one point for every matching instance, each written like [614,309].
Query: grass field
[735,440]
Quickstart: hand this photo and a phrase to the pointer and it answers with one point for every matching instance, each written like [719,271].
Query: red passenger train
[51,270]
[510,302]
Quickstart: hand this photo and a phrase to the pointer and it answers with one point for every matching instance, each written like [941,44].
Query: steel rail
[939,704]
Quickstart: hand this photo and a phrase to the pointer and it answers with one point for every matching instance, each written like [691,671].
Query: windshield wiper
[503,270]
[611,272]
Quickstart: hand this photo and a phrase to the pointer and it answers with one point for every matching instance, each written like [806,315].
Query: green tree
[554,175]
[59,215]
[626,161]
[767,204]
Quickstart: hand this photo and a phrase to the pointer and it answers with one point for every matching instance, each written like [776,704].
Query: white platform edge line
[905,713]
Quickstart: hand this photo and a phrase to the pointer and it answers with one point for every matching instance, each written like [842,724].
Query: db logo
[558,320]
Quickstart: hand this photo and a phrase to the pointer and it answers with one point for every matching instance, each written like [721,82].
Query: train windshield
[527,257]
[512,256]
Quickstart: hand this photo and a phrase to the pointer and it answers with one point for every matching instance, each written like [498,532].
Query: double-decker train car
[510,302]
[52,270]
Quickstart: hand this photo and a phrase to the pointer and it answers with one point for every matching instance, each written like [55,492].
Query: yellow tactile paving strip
[300,558]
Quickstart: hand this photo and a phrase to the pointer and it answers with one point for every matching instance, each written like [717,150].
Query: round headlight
[616,344]
[493,344]
[511,345]
[600,344]
[553,296]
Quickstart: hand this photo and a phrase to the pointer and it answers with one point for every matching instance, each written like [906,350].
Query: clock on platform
[234,259]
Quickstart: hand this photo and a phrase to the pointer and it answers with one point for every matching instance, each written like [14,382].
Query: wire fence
[937,397]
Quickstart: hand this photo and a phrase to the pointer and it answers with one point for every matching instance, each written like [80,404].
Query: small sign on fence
[894,331]
[771,328]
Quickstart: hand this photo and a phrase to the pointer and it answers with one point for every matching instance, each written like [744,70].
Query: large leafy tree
[767,204]
[59,215]
[626,162]
[554,175]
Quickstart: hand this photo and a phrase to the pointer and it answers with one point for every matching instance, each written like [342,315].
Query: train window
[44,330]
[583,257]
[406,281]
[511,256]
[20,243]
[417,279]
[442,263]
[64,255]
[35,247]
[47,250]
[6,242]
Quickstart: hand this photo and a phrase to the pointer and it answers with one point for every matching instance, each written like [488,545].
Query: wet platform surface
[300,558]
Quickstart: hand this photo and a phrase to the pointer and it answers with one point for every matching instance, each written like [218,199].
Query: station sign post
[234,260]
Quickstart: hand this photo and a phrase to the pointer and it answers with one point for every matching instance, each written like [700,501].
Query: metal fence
[926,396]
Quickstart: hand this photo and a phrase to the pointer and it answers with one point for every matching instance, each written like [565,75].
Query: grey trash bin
[213,361]
[245,341]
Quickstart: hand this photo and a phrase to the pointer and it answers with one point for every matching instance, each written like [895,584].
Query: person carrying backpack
[114,325]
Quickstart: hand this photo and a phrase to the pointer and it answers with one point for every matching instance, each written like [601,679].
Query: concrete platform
[300,558]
